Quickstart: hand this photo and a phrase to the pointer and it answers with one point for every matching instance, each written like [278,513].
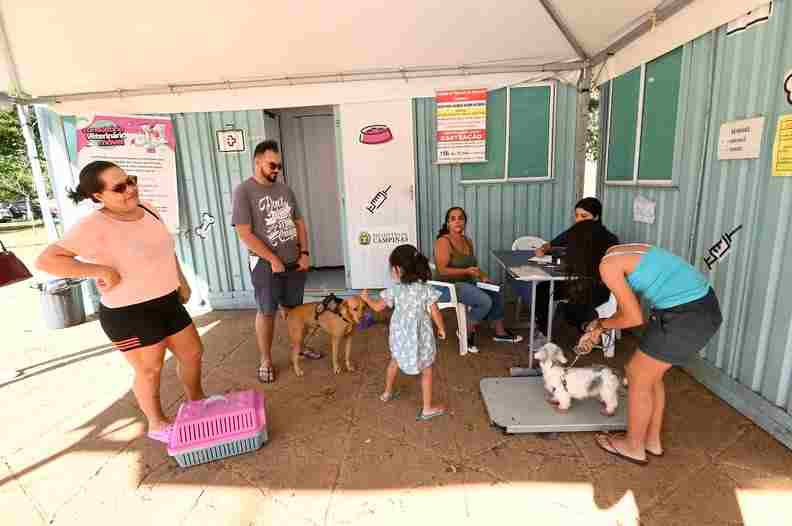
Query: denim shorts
[273,289]
[674,335]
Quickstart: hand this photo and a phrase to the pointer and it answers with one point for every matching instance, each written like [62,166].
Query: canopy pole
[405,74]
[570,37]
[13,74]
[651,20]
[583,98]
[38,177]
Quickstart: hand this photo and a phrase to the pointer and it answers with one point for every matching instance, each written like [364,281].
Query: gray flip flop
[429,416]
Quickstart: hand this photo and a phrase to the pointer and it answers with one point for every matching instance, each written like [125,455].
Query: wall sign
[644,210]
[378,200]
[461,126]
[230,141]
[741,139]
[719,250]
[142,146]
[376,134]
[782,148]
[389,237]
[207,220]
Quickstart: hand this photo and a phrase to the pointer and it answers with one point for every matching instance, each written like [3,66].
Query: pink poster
[142,146]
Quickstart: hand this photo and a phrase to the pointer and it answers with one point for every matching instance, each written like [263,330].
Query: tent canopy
[154,54]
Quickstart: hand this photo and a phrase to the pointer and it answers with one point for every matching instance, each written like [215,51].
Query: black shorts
[272,289]
[144,324]
[674,335]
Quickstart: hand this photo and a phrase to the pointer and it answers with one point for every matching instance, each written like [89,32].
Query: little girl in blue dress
[412,340]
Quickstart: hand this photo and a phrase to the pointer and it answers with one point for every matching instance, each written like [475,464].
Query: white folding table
[518,265]
[517,404]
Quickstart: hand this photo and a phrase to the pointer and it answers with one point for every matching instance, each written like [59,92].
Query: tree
[16,176]
[592,131]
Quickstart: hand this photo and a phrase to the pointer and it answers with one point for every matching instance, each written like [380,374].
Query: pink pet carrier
[218,427]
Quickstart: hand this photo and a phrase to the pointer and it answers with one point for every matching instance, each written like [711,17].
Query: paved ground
[72,449]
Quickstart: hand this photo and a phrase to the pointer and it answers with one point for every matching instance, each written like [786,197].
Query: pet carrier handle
[215,398]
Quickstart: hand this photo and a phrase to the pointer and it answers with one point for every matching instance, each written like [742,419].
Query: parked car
[5,214]
[15,213]
[21,208]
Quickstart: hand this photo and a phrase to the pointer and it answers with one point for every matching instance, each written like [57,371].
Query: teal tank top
[666,280]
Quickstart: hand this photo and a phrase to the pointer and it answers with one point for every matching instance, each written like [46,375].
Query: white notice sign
[741,139]
[230,140]
[644,210]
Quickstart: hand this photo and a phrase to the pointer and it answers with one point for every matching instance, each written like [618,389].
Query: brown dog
[338,325]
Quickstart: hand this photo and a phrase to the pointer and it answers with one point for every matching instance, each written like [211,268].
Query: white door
[379,184]
[309,148]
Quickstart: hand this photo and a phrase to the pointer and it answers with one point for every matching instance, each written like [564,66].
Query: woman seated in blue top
[575,313]
[685,315]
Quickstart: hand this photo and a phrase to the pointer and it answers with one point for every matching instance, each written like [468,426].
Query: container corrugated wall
[749,362]
[673,227]
[498,213]
[206,181]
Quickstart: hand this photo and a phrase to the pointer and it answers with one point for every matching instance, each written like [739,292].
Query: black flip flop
[615,452]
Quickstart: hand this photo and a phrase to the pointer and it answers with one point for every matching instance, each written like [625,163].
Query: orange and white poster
[461,126]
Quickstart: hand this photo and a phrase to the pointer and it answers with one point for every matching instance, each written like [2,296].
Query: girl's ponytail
[414,265]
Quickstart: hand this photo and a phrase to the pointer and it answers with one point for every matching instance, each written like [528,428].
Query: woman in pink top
[126,248]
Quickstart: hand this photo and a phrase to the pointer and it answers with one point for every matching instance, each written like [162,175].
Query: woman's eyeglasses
[120,188]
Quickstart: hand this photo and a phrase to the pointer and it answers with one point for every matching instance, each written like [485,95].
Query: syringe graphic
[378,200]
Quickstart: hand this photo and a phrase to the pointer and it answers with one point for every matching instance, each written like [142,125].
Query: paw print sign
[788,86]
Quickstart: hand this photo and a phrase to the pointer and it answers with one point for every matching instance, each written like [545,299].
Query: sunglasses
[120,188]
[275,166]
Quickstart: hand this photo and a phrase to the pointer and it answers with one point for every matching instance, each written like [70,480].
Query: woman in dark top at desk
[456,262]
[577,314]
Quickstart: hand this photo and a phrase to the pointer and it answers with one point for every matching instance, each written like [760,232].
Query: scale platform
[518,405]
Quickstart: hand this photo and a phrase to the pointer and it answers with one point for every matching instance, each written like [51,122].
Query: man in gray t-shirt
[268,221]
[272,212]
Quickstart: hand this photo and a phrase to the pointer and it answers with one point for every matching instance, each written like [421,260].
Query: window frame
[551,140]
[636,181]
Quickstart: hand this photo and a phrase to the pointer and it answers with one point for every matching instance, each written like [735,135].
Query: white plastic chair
[606,310]
[461,312]
[526,243]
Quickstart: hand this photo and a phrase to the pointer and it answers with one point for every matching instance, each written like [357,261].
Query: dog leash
[578,353]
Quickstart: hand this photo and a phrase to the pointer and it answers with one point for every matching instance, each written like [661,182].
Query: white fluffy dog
[564,384]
